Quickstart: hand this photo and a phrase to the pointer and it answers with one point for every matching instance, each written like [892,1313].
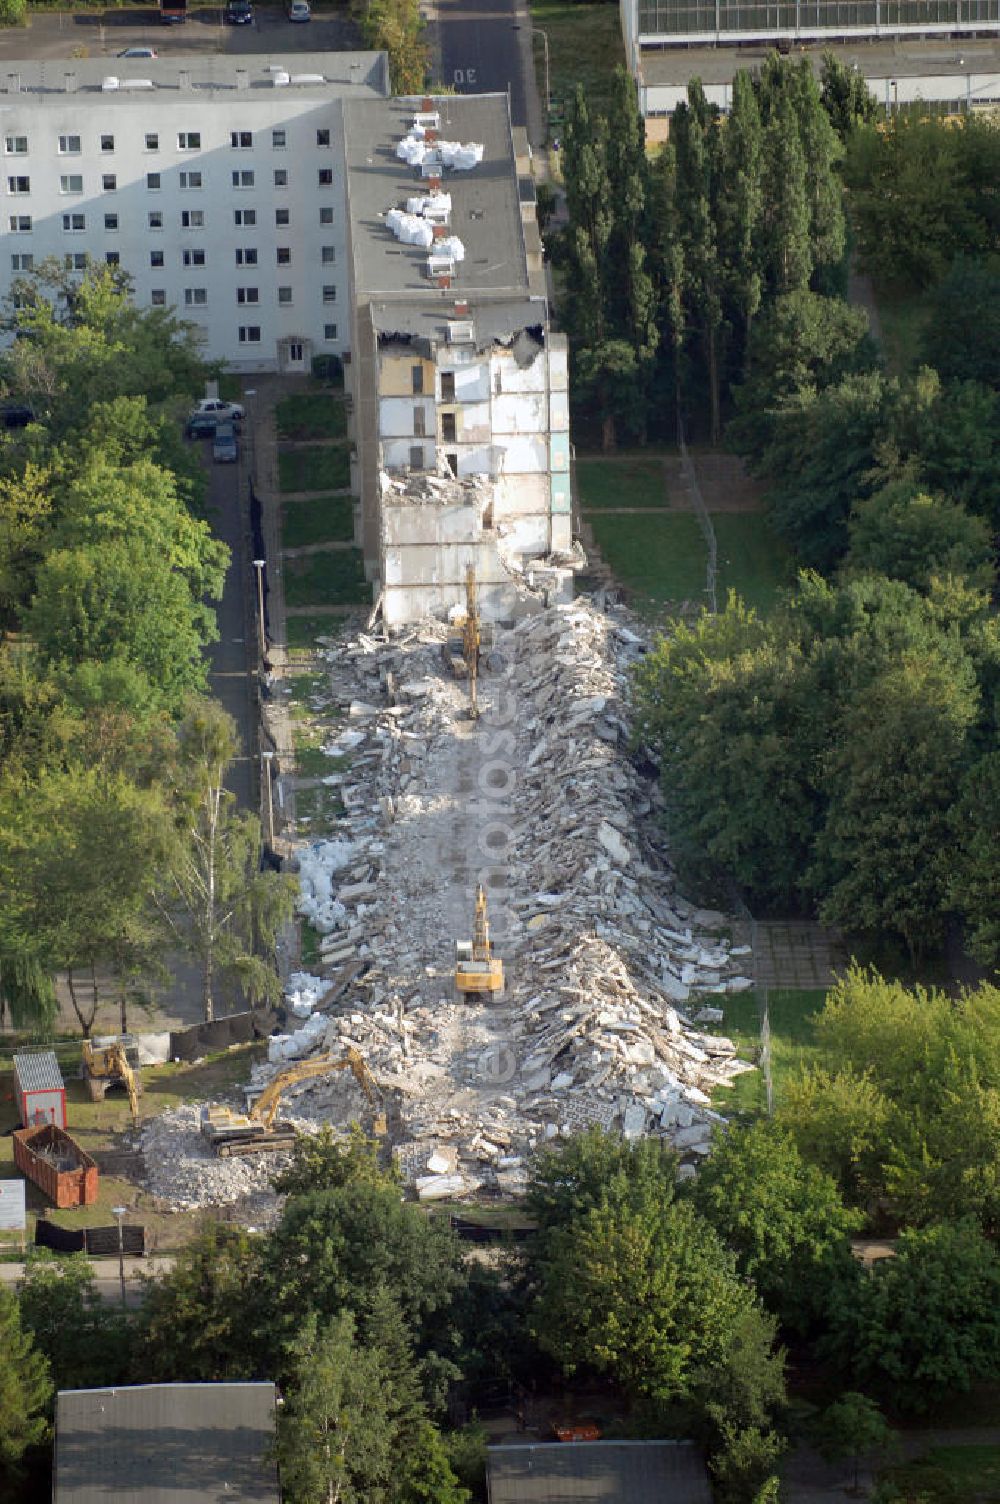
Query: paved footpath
[107,1279]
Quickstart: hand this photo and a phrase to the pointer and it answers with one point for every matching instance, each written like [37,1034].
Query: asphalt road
[107,1282]
[93,34]
[485,49]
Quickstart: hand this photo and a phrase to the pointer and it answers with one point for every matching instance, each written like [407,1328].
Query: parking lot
[106,33]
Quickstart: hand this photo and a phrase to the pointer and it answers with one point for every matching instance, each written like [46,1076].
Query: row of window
[71,146]
[72,182]
[191,219]
[249,334]
[197,297]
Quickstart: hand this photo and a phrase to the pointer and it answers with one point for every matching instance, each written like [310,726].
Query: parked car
[239,12]
[138,52]
[231,410]
[224,447]
[299,10]
[201,426]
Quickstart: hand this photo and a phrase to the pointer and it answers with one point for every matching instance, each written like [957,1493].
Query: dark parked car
[239,12]
[224,450]
[201,426]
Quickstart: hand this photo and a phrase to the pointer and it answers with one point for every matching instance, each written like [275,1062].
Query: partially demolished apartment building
[458,384]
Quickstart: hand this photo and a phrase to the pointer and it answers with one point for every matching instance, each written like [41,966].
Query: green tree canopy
[903,532]
[25,1387]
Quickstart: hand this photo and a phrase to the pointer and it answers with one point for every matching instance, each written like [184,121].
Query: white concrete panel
[521,494]
[472,461]
[558,363]
[525,455]
[515,378]
[558,411]
[396,452]
[519,414]
[402,526]
[395,416]
[472,383]
[528,536]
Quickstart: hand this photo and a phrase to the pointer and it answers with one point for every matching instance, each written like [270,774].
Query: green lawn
[319,469]
[628,482]
[751,560]
[302,632]
[327,579]
[321,519]
[903,316]
[950,1475]
[660,559]
[311,415]
[585,46]
[792,1043]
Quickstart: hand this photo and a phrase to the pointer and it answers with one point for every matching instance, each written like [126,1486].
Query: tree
[804,343]
[429,1477]
[219,903]
[324,1162]
[334,1444]
[961,338]
[696,157]
[854,1427]
[787,254]
[783,1218]
[574,1178]
[975,874]
[846,97]
[25,1387]
[925,1324]
[838,1121]
[85,1342]
[741,204]
[902,532]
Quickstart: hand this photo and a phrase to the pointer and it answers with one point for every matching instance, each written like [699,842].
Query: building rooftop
[38,1071]
[881,59]
[485,212]
[492,319]
[166,1444]
[598,1472]
[258,75]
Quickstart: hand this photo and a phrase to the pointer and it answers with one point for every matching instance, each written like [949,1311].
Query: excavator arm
[264,1109]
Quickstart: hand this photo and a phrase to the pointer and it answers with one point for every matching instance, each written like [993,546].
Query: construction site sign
[12,1214]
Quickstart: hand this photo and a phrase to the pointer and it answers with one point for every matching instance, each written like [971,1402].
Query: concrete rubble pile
[609,970]
[182,1170]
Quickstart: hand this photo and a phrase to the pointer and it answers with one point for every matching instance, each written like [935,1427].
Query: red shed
[41,1093]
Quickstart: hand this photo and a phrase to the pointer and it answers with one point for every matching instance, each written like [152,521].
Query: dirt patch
[722,479]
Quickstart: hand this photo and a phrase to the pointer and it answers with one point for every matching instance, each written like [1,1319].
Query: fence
[202,1039]
[704,520]
[101,1241]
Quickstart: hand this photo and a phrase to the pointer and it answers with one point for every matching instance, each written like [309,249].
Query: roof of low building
[38,1071]
[495,319]
[486,213]
[166,1444]
[598,1472]
[875,59]
[251,75]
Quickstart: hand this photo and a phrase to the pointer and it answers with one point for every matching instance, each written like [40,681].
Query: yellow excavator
[463,656]
[106,1064]
[254,1132]
[477,969]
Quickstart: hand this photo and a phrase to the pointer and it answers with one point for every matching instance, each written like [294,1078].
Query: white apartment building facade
[217,183]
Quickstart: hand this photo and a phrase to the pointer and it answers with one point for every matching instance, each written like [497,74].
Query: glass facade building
[738,20]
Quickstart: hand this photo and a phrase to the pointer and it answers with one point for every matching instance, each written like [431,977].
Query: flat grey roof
[334,73]
[38,1072]
[598,1472]
[718,65]
[166,1444]
[485,216]
[492,320]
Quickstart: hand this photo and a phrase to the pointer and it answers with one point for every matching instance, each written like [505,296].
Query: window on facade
[246,255]
[329,331]
[22,261]
[192,219]
[155,219]
[153,181]
[452,461]
[15,146]
[282,217]
[243,179]
[280,178]
[71,183]
[241,140]
[189,140]
[417,380]
[74,222]
[194,258]
[77,262]
[20,224]
[249,334]
[284,255]
[447,386]
[329,255]
[278,140]
[326,216]
[195,297]
[158,297]
[326,177]
[107,143]
[329,295]
[190,180]
[322,138]
[156,258]
[416,456]
[112,258]
[284,295]
[69,146]
[18,185]
[109,182]
[419,420]
[152,141]
[248,295]
[244,216]
[111,221]
[448,433]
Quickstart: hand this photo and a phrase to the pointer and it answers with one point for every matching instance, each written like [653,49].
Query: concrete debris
[610,972]
[183,1172]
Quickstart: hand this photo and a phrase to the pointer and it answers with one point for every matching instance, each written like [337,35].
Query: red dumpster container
[57,1164]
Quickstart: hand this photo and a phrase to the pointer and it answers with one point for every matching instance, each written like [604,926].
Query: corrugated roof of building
[322,73]
[598,1472]
[38,1070]
[166,1444]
